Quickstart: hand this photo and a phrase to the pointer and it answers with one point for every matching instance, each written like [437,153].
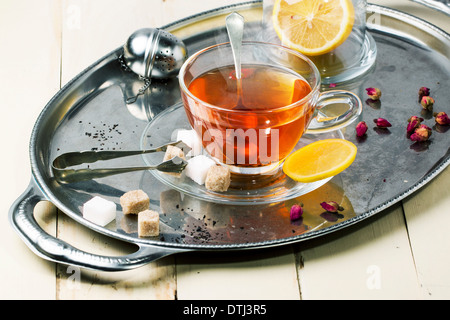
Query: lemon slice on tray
[320,160]
[313,27]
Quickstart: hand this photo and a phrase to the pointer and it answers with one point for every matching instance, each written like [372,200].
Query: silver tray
[90,112]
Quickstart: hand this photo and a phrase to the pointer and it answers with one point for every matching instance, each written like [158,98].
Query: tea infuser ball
[154,53]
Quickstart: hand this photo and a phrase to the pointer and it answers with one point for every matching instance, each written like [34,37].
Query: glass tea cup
[253,123]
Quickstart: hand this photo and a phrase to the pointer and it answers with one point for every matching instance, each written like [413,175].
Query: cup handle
[322,122]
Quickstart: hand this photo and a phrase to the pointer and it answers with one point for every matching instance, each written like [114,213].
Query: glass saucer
[249,190]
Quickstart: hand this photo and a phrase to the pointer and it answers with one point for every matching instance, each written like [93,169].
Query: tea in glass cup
[252,124]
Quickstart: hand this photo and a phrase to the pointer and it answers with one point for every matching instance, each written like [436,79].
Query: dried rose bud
[427,103]
[413,123]
[442,118]
[415,118]
[412,118]
[374,93]
[422,133]
[331,206]
[424,91]
[361,129]
[382,123]
[296,212]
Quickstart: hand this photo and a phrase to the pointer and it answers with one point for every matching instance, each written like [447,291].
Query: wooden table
[402,253]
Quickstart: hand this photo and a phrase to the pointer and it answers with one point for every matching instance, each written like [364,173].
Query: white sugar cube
[99,211]
[197,168]
[191,138]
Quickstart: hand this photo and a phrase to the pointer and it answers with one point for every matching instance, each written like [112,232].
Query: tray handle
[53,249]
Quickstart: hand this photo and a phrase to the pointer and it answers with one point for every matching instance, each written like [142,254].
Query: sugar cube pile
[99,211]
[137,202]
[218,178]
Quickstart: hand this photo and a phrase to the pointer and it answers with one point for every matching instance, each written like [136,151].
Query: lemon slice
[320,160]
[313,27]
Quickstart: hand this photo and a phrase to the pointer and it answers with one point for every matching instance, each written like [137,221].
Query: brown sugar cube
[148,223]
[134,202]
[218,179]
[171,153]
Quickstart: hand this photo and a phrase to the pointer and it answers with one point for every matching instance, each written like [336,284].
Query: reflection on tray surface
[188,220]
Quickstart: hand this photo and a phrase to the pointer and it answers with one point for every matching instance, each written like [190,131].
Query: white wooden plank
[269,274]
[428,220]
[375,261]
[427,211]
[248,276]
[87,26]
[91,29]
[153,281]
[29,77]
[241,276]
[368,261]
